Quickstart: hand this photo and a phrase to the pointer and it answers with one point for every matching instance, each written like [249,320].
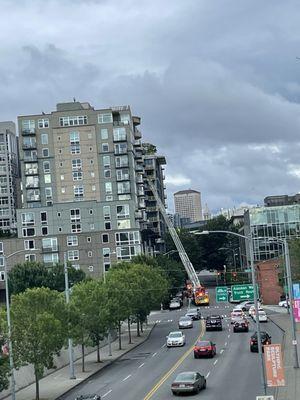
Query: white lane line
[107,393]
[164,345]
[221,351]
[127,377]
[225,343]
[228,336]
[215,362]
[207,375]
[140,366]
[154,354]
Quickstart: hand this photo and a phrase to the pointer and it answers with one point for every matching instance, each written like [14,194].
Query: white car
[174,305]
[283,303]
[262,316]
[175,339]
[236,314]
[185,322]
[252,310]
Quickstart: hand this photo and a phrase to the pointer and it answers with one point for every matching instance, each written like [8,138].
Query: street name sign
[242,292]
[264,397]
[221,293]
[274,365]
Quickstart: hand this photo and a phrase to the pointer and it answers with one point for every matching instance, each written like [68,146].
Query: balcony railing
[32,185]
[31,131]
[29,146]
[35,197]
[30,158]
[50,249]
[31,171]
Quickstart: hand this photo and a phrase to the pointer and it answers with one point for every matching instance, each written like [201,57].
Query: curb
[106,365]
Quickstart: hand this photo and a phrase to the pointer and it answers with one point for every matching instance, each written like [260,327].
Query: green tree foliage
[33,274]
[4,359]
[38,328]
[294,247]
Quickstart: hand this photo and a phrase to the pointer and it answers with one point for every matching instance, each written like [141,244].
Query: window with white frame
[124,197]
[127,252]
[76,228]
[122,174]
[127,238]
[90,254]
[75,149]
[121,161]
[76,164]
[46,166]
[29,244]
[48,193]
[75,215]
[47,178]
[44,230]
[119,134]
[45,152]
[104,133]
[73,255]
[73,120]
[74,138]
[30,257]
[28,219]
[123,187]
[107,225]
[91,268]
[109,198]
[123,211]
[78,192]
[108,187]
[106,161]
[105,238]
[50,244]
[28,125]
[44,138]
[124,224]
[125,118]
[72,241]
[50,258]
[1,247]
[107,173]
[77,175]
[44,217]
[106,212]
[105,147]
[43,123]
[121,148]
[106,266]
[106,252]
[27,232]
[105,118]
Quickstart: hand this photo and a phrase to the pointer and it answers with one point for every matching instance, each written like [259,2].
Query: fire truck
[201,296]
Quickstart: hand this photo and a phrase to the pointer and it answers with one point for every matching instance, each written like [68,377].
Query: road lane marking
[207,375]
[228,336]
[107,393]
[140,366]
[154,354]
[225,343]
[215,362]
[221,351]
[127,377]
[175,366]
[164,345]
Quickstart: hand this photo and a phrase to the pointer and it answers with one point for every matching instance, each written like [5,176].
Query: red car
[205,348]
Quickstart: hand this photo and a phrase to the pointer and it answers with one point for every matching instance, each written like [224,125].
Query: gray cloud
[216,83]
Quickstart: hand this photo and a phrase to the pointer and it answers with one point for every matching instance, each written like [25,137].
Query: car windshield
[203,343]
[186,376]
[175,334]
[215,317]
[184,319]
[261,312]
[262,335]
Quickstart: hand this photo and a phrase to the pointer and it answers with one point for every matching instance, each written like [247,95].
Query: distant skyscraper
[188,204]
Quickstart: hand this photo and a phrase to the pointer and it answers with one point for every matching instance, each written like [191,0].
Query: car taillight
[175,384]
[209,347]
[267,342]
[196,348]
[251,342]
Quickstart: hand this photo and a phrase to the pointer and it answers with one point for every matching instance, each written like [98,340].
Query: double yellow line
[175,366]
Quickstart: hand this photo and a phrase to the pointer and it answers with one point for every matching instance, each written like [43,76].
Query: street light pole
[70,342]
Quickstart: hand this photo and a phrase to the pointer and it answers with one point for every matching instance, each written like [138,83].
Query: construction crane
[179,246]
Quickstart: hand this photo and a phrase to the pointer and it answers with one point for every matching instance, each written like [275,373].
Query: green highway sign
[242,292]
[221,293]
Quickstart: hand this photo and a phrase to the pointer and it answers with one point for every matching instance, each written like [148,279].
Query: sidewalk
[292,376]
[56,384]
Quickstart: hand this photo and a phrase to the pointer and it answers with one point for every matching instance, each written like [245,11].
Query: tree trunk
[142,329]
[82,357]
[37,385]
[129,332]
[98,351]
[138,327]
[120,339]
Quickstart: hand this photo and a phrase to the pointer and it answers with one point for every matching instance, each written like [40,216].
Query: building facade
[281,200]
[188,204]
[9,178]
[83,187]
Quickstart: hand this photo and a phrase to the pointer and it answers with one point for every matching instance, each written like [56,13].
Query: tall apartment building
[82,179]
[188,204]
[155,227]
[9,177]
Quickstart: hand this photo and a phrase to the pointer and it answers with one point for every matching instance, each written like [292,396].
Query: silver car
[188,382]
[185,322]
[175,339]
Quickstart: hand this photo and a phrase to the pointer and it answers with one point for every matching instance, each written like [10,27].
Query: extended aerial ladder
[181,251]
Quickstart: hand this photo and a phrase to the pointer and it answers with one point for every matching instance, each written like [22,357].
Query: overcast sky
[216,82]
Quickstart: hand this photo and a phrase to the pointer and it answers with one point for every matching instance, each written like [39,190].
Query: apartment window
[43,123]
[28,125]
[73,120]
[124,197]
[50,244]
[125,118]
[74,138]
[105,118]
[59,214]
[108,187]
[109,198]
[76,164]
[44,138]
[105,147]
[29,244]
[127,252]
[91,211]
[30,257]
[121,161]
[92,174]
[106,252]
[3,180]
[47,178]
[121,148]
[48,193]
[62,177]
[127,238]
[77,175]
[30,169]
[32,182]
[78,192]
[63,190]
[107,226]
[75,228]
[105,238]
[28,218]
[44,218]
[106,212]
[45,152]
[91,268]
[75,215]
[123,224]
[104,134]
[90,254]
[93,188]
[119,134]
[3,201]
[123,187]
[73,255]
[92,227]
[51,258]
[106,266]
[72,241]
[89,239]
[123,211]
[75,148]
[122,174]
[44,230]
[106,161]
[107,173]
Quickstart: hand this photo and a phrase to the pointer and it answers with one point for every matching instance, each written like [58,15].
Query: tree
[4,359]
[34,274]
[38,329]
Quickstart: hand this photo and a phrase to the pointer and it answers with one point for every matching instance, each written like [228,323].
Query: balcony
[50,249]
[32,158]
[137,143]
[35,197]
[137,134]
[31,171]
[30,145]
[139,179]
[32,185]
[152,208]
[149,167]
[153,219]
[138,155]
[140,192]
[139,168]
[139,214]
[28,132]
[120,151]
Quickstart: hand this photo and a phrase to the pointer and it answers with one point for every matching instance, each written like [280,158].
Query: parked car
[204,348]
[185,322]
[241,325]
[88,397]
[213,323]
[178,298]
[265,339]
[284,303]
[188,382]
[174,305]
[176,338]
[193,313]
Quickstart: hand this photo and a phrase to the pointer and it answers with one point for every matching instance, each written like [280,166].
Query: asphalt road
[147,371]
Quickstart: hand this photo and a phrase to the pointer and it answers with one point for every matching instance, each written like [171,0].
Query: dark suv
[214,323]
[265,339]
[88,397]
[241,325]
